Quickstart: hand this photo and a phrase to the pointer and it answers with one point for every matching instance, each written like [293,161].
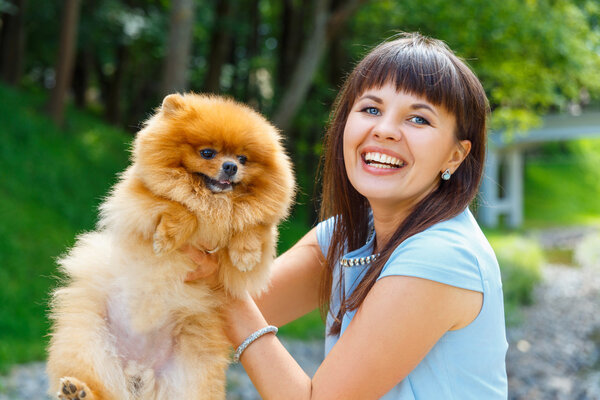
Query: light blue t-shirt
[468,363]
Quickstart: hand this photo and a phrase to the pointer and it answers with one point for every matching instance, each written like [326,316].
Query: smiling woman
[409,285]
[384,125]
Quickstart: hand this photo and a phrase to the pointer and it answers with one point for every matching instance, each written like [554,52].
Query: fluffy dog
[205,170]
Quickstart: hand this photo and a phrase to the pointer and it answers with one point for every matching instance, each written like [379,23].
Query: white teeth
[386,160]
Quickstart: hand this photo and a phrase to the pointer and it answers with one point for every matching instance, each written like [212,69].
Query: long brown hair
[419,66]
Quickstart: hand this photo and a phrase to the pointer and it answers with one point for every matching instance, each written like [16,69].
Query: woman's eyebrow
[418,106]
[372,97]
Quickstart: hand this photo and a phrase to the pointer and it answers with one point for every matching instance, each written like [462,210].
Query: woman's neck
[385,223]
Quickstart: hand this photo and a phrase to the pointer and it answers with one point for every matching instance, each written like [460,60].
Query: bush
[587,252]
[520,262]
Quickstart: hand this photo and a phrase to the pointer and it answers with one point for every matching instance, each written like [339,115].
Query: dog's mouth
[215,185]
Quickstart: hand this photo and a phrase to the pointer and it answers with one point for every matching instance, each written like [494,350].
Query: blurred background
[77,78]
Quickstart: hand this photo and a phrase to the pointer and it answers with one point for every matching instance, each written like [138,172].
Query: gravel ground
[553,355]
[29,381]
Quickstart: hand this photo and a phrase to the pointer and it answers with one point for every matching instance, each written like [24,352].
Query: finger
[202,271]
[198,256]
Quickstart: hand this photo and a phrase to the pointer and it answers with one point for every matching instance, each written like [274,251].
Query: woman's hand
[206,263]
[241,315]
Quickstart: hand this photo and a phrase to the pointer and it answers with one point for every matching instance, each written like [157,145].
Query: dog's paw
[73,389]
[243,259]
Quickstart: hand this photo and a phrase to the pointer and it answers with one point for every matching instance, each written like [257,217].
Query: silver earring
[446,175]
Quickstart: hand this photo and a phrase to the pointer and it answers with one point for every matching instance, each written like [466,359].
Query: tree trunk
[12,44]
[325,27]
[177,60]
[81,76]
[64,65]
[112,100]
[220,44]
[250,92]
[338,62]
[291,39]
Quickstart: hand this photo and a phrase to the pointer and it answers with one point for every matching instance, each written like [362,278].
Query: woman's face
[396,145]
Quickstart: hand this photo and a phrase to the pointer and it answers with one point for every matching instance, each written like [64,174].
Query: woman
[411,285]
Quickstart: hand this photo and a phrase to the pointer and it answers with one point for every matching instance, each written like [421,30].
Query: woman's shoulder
[453,252]
[460,232]
[324,231]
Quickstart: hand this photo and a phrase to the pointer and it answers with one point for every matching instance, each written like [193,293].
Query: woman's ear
[458,154]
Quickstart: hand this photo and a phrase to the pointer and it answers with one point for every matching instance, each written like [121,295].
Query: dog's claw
[72,389]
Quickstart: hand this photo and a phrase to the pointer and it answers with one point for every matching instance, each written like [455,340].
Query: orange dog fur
[205,170]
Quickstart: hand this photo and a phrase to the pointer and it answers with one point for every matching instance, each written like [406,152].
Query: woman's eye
[208,153]
[242,159]
[419,120]
[371,110]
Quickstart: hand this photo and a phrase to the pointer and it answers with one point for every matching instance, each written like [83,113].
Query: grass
[52,182]
[53,178]
[562,185]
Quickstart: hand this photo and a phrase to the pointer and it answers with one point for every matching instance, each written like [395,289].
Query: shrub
[520,260]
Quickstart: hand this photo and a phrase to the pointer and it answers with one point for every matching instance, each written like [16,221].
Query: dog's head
[205,145]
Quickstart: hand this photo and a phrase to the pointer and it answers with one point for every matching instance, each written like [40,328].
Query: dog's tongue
[225,182]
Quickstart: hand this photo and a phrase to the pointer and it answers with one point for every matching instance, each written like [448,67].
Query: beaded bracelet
[252,338]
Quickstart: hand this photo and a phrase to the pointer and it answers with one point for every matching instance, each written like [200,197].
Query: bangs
[419,68]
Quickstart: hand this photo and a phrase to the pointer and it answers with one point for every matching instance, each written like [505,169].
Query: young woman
[411,285]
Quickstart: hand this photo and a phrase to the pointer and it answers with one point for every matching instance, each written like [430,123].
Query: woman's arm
[400,320]
[294,287]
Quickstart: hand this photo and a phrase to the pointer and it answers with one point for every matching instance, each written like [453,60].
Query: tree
[176,67]
[64,65]
[327,23]
[532,57]
[12,43]
[220,45]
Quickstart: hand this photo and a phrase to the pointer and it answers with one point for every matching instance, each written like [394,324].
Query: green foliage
[52,182]
[310,326]
[520,262]
[531,56]
[587,253]
[562,184]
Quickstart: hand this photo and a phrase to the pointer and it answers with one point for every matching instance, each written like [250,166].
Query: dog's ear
[172,103]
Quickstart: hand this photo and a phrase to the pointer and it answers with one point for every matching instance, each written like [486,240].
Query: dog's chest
[140,329]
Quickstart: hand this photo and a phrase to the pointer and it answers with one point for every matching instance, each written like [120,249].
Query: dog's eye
[242,159]
[208,153]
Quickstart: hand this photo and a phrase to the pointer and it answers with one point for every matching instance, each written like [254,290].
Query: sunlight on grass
[563,189]
[55,178]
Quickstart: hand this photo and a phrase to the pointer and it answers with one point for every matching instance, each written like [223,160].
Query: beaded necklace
[350,262]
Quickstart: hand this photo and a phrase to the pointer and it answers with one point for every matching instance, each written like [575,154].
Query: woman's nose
[387,129]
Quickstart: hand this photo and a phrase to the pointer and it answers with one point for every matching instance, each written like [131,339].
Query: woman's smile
[396,145]
[380,161]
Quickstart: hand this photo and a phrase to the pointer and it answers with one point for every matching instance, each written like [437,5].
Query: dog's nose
[230,168]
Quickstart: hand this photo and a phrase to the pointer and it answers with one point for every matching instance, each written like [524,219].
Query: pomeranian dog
[205,171]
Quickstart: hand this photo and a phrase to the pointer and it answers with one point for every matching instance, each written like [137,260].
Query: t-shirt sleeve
[324,233]
[437,257]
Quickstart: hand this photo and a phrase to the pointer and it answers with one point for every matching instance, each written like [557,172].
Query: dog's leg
[174,228]
[200,361]
[245,248]
[255,246]
[73,389]
[78,347]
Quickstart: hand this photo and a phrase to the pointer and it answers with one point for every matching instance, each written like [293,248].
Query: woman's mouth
[383,161]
